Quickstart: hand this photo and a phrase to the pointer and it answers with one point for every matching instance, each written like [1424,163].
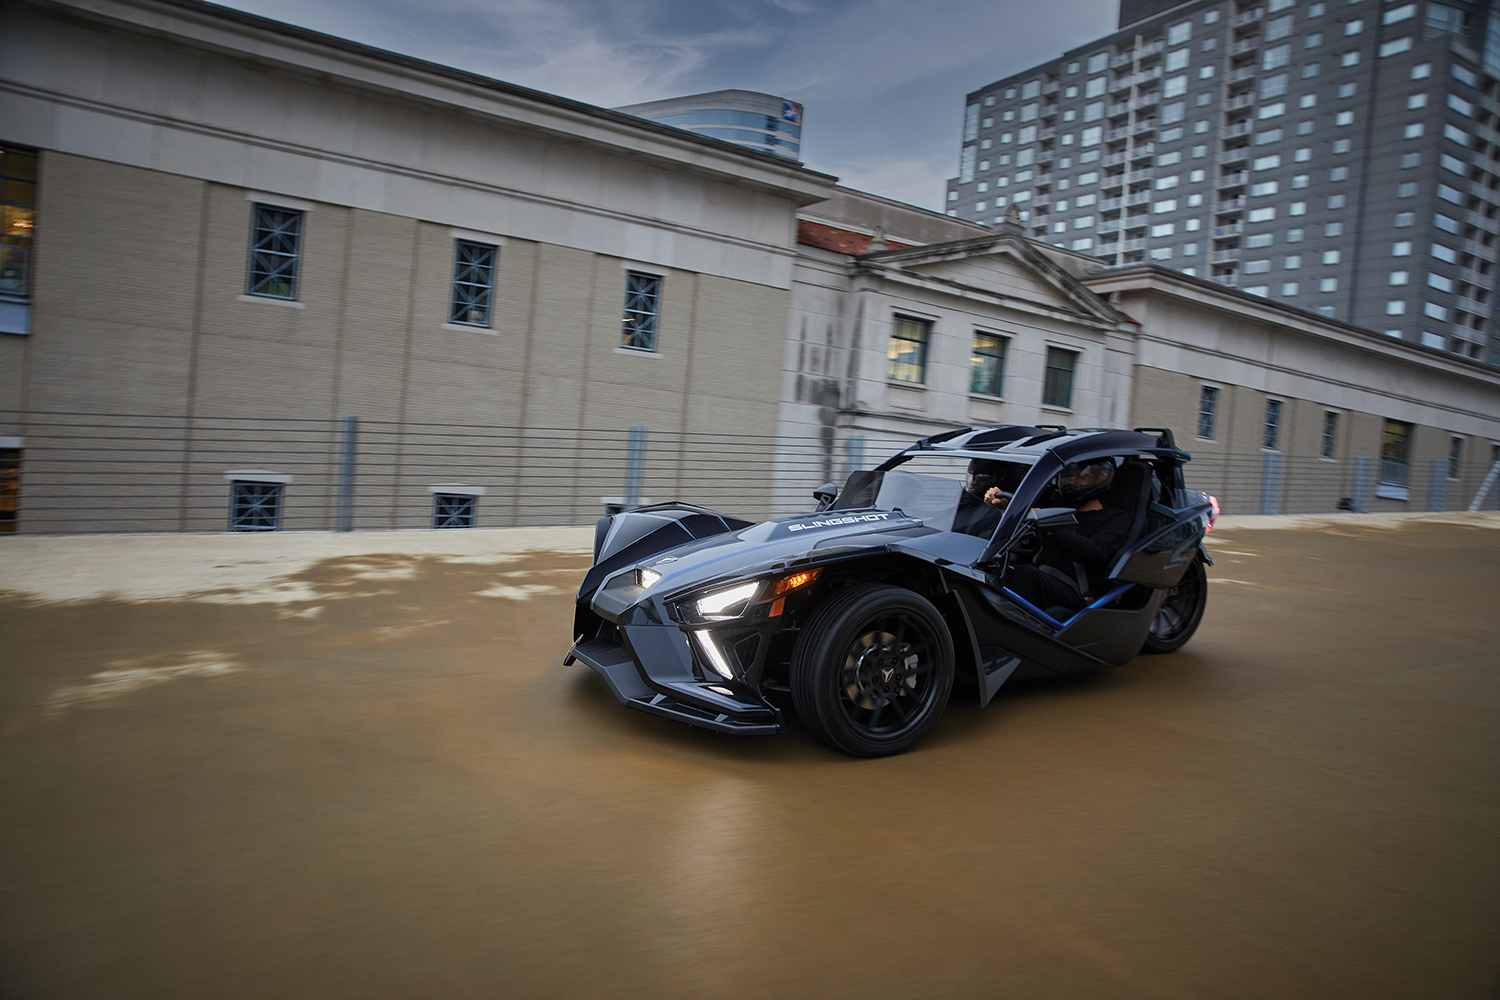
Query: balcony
[1150,100]
[1236,179]
[1140,128]
[1479,250]
[1115,159]
[1473,307]
[1112,180]
[1117,133]
[1052,87]
[1238,154]
[1116,110]
[1137,221]
[1232,229]
[1231,131]
[1049,111]
[1235,103]
[1140,175]
[1248,17]
[1478,221]
[1141,149]
[1123,59]
[1109,226]
[1473,277]
[1224,256]
[1231,280]
[1136,244]
[1122,83]
[1244,48]
[1230,204]
[1139,198]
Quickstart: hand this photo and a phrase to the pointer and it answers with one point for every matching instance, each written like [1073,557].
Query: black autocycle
[866,610]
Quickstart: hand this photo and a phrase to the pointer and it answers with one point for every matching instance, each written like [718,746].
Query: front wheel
[1181,611]
[872,670]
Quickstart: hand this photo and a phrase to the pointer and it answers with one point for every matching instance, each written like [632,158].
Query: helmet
[1083,481]
[982,475]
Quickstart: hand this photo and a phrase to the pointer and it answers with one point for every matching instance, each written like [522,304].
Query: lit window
[642,306]
[275,249]
[906,356]
[987,363]
[18,207]
[473,283]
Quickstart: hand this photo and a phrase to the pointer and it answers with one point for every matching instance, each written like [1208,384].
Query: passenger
[1068,570]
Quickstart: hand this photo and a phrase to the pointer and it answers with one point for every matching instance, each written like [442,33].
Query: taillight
[1213,502]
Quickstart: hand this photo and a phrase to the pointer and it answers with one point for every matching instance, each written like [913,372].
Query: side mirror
[1054,517]
[826,495]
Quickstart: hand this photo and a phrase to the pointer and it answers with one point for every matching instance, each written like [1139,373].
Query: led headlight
[646,578]
[726,604]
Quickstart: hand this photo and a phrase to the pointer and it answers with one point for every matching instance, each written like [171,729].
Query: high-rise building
[764,122]
[1340,156]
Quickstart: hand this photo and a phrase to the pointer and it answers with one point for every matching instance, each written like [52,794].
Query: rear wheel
[872,670]
[1181,611]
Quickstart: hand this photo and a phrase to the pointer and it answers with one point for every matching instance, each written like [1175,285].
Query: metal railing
[84,472]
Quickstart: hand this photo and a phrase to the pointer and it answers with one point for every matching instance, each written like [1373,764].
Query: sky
[882,81]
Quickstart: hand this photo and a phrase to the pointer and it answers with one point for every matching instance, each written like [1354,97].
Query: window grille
[1455,458]
[254,506]
[10,489]
[1330,433]
[1208,407]
[1057,390]
[906,356]
[987,364]
[642,307]
[1272,435]
[452,510]
[18,208]
[275,249]
[473,283]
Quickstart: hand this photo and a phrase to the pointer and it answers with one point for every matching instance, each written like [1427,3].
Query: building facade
[236,219]
[761,122]
[1339,157]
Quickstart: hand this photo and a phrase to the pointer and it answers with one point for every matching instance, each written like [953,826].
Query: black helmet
[982,475]
[1083,481]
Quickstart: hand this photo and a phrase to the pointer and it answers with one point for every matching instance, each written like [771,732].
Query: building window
[453,510]
[642,307]
[1272,434]
[987,364]
[1455,458]
[275,250]
[18,208]
[1330,432]
[255,506]
[473,283]
[1395,452]
[906,357]
[10,489]
[1208,406]
[1057,390]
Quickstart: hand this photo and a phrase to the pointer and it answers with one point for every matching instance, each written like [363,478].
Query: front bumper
[739,716]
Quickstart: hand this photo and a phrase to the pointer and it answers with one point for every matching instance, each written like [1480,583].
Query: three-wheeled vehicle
[865,610]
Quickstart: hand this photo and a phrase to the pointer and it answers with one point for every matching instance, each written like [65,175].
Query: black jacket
[1092,543]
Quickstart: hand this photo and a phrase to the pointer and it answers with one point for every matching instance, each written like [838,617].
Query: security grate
[275,243]
[255,506]
[642,305]
[473,283]
[451,510]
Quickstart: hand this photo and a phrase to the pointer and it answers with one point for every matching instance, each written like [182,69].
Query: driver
[1068,570]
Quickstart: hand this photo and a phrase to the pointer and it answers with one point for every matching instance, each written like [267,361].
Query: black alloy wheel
[1181,611]
[872,670]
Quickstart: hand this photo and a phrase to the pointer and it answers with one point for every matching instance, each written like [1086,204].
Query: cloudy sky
[883,81]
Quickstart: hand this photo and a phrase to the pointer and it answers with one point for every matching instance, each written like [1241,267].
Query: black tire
[1181,611]
[872,670]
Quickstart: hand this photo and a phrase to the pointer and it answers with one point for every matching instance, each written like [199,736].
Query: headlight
[727,604]
[646,578]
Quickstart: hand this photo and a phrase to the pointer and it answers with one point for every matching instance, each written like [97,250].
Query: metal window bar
[452,510]
[1208,405]
[642,305]
[255,506]
[473,283]
[275,242]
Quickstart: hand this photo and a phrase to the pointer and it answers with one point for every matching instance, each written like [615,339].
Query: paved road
[363,773]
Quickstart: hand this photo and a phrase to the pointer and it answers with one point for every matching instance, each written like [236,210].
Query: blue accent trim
[1025,605]
[1109,598]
